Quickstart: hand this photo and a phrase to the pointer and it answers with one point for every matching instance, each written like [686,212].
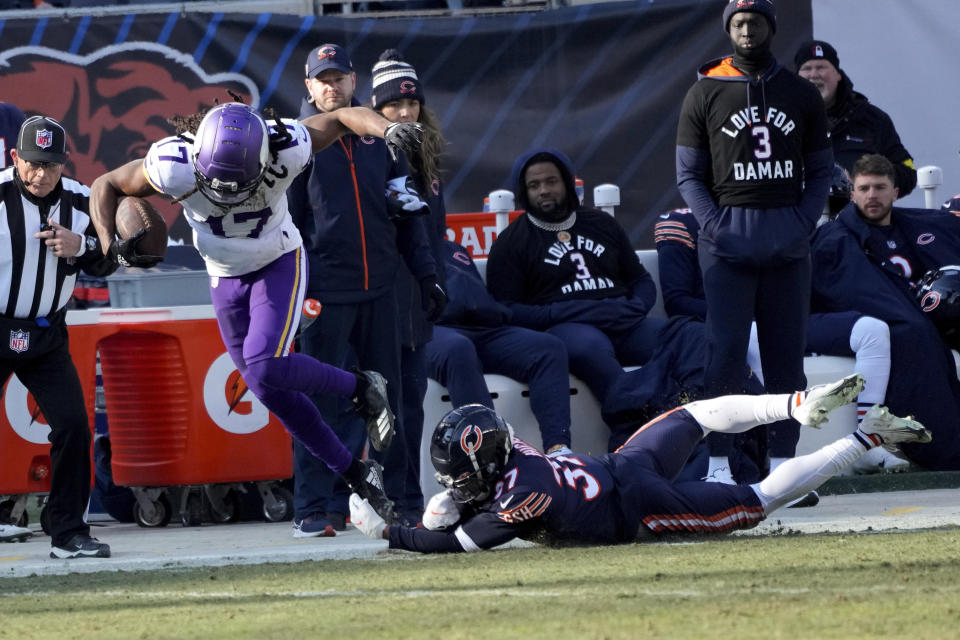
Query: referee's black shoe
[81,546]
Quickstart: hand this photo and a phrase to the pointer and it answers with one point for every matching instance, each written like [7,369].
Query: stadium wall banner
[601,82]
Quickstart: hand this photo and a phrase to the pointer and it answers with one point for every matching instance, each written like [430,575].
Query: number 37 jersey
[550,500]
[234,240]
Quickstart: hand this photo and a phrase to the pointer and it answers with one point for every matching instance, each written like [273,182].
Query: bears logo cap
[328,56]
[42,139]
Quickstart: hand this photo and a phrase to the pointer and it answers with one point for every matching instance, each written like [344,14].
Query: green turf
[890,585]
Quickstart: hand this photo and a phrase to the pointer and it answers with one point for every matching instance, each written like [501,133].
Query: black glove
[124,253]
[432,298]
[405,136]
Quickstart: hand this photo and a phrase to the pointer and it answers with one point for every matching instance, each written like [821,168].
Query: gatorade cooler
[180,413]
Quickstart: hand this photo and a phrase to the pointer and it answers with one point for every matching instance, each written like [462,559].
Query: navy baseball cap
[42,139]
[328,56]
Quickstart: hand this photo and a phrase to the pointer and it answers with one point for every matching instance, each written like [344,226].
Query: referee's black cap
[42,139]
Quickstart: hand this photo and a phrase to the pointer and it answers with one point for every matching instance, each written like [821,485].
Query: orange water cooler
[181,416]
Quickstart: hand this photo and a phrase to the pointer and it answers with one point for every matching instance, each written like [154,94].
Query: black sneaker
[370,487]
[81,546]
[337,519]
[370,400]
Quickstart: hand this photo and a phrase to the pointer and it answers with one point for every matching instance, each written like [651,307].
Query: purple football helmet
[231,153]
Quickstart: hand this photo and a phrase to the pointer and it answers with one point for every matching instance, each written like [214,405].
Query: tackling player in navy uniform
[754,164]
[869,260]
[572,271]
[845,333]
[499,487]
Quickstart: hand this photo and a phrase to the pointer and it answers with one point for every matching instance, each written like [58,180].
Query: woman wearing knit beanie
[398,95]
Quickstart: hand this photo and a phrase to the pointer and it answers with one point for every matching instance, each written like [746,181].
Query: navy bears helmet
[939,297]
[469,450]
[840,189]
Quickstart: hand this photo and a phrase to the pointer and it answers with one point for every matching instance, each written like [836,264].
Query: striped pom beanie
[394,79]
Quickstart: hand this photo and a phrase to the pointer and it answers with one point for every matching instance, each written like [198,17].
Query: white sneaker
[879,460]
[13,533]
[820,400]
[882,427]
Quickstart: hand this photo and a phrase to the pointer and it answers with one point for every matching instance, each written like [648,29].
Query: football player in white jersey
[230,173]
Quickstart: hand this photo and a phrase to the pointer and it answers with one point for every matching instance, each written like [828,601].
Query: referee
[47,239]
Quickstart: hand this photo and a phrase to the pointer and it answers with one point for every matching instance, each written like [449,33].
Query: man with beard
[856,126]
[572,272]
[871,259]
[754,164]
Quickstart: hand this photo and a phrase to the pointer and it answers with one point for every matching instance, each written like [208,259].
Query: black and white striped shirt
[33,282]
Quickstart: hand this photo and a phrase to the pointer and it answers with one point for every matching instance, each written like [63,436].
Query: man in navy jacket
[869,260]
[355,238]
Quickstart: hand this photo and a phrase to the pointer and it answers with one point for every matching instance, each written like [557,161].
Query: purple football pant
[258,314]
[645,467]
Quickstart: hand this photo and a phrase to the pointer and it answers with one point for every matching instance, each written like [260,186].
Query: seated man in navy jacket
[474,335]
[869,260]
[573,272]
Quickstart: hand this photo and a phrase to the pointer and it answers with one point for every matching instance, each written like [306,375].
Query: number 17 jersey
[235,240]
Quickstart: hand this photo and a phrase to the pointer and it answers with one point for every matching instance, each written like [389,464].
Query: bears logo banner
[602,82]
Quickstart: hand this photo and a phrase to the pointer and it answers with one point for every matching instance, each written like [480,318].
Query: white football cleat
[817,402]
[884,428]
[879,460]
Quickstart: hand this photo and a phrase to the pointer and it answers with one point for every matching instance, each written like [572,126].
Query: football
[134,214]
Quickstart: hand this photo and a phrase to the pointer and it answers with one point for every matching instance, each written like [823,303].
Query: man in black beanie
[857,128]
[754,164]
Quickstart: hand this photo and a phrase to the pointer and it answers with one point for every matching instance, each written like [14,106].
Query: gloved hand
[125,254]
[404,136]
[365,518]
[432,298]
[403,200]
[441,512]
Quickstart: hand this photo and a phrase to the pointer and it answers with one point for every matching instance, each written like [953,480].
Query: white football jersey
[240,239]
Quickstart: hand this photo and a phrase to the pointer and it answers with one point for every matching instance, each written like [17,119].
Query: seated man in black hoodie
[474,335]
[572,272]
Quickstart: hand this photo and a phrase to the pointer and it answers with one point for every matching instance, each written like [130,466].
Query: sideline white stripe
[429,593]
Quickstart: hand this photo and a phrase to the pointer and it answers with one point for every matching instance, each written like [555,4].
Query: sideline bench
[588,431]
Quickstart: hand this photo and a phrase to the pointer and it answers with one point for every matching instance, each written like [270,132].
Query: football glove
[365,518]
[403,136]
[441,512]
[123,252]
[433,298]
[403,200]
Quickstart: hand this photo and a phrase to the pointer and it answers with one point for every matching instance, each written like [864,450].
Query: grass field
[890,585]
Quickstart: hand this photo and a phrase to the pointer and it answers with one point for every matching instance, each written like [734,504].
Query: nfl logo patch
[19,341]
[44,138]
